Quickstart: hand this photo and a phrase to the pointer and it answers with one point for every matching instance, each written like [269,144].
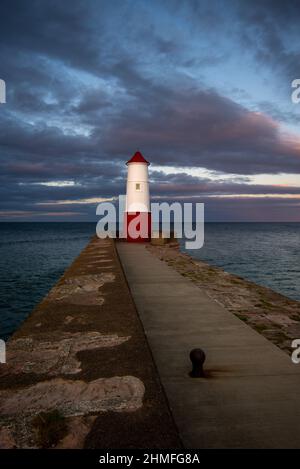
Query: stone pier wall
[79,372]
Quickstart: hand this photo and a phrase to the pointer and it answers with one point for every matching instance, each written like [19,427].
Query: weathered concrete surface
[83,352]
[74,398]
[274,316]
[250,395]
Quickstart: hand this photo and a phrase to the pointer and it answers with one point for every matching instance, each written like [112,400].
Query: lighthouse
[137,212]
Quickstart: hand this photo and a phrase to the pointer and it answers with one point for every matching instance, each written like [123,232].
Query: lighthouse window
[138,186]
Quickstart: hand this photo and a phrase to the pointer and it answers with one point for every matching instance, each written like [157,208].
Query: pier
[249,396]
[103,362]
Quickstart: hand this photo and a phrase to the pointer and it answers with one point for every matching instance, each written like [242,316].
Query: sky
[202,89]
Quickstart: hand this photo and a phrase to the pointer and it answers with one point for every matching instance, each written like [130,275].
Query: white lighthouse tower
[138,213]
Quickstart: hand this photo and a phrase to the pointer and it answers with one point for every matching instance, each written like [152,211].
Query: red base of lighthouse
[138,227]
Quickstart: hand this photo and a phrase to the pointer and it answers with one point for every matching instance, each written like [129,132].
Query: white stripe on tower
[137,192]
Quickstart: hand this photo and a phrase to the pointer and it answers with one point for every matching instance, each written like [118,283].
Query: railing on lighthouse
[138,212]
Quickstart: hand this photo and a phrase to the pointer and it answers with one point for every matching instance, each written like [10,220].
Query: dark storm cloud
[263,24]
[202,128]
[50,28]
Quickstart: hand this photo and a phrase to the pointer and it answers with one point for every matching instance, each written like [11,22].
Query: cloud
[204,129]
[88,85]
[269,30]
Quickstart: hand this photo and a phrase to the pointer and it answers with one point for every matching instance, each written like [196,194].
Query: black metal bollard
[197,357]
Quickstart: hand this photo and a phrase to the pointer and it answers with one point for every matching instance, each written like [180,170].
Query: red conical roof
[137,158]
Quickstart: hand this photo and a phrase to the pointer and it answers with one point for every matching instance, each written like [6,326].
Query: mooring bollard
[197,357]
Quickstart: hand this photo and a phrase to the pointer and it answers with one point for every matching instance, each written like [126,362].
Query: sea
[33,256]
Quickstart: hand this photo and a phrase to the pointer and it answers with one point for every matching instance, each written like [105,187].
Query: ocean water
[32,258]
[34,255]
[266,253]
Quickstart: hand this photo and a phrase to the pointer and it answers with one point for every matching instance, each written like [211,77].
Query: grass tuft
[51,427]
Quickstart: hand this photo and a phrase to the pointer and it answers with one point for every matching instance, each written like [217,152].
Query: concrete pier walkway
[250,395]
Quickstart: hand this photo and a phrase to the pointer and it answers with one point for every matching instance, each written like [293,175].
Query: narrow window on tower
[138,186]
